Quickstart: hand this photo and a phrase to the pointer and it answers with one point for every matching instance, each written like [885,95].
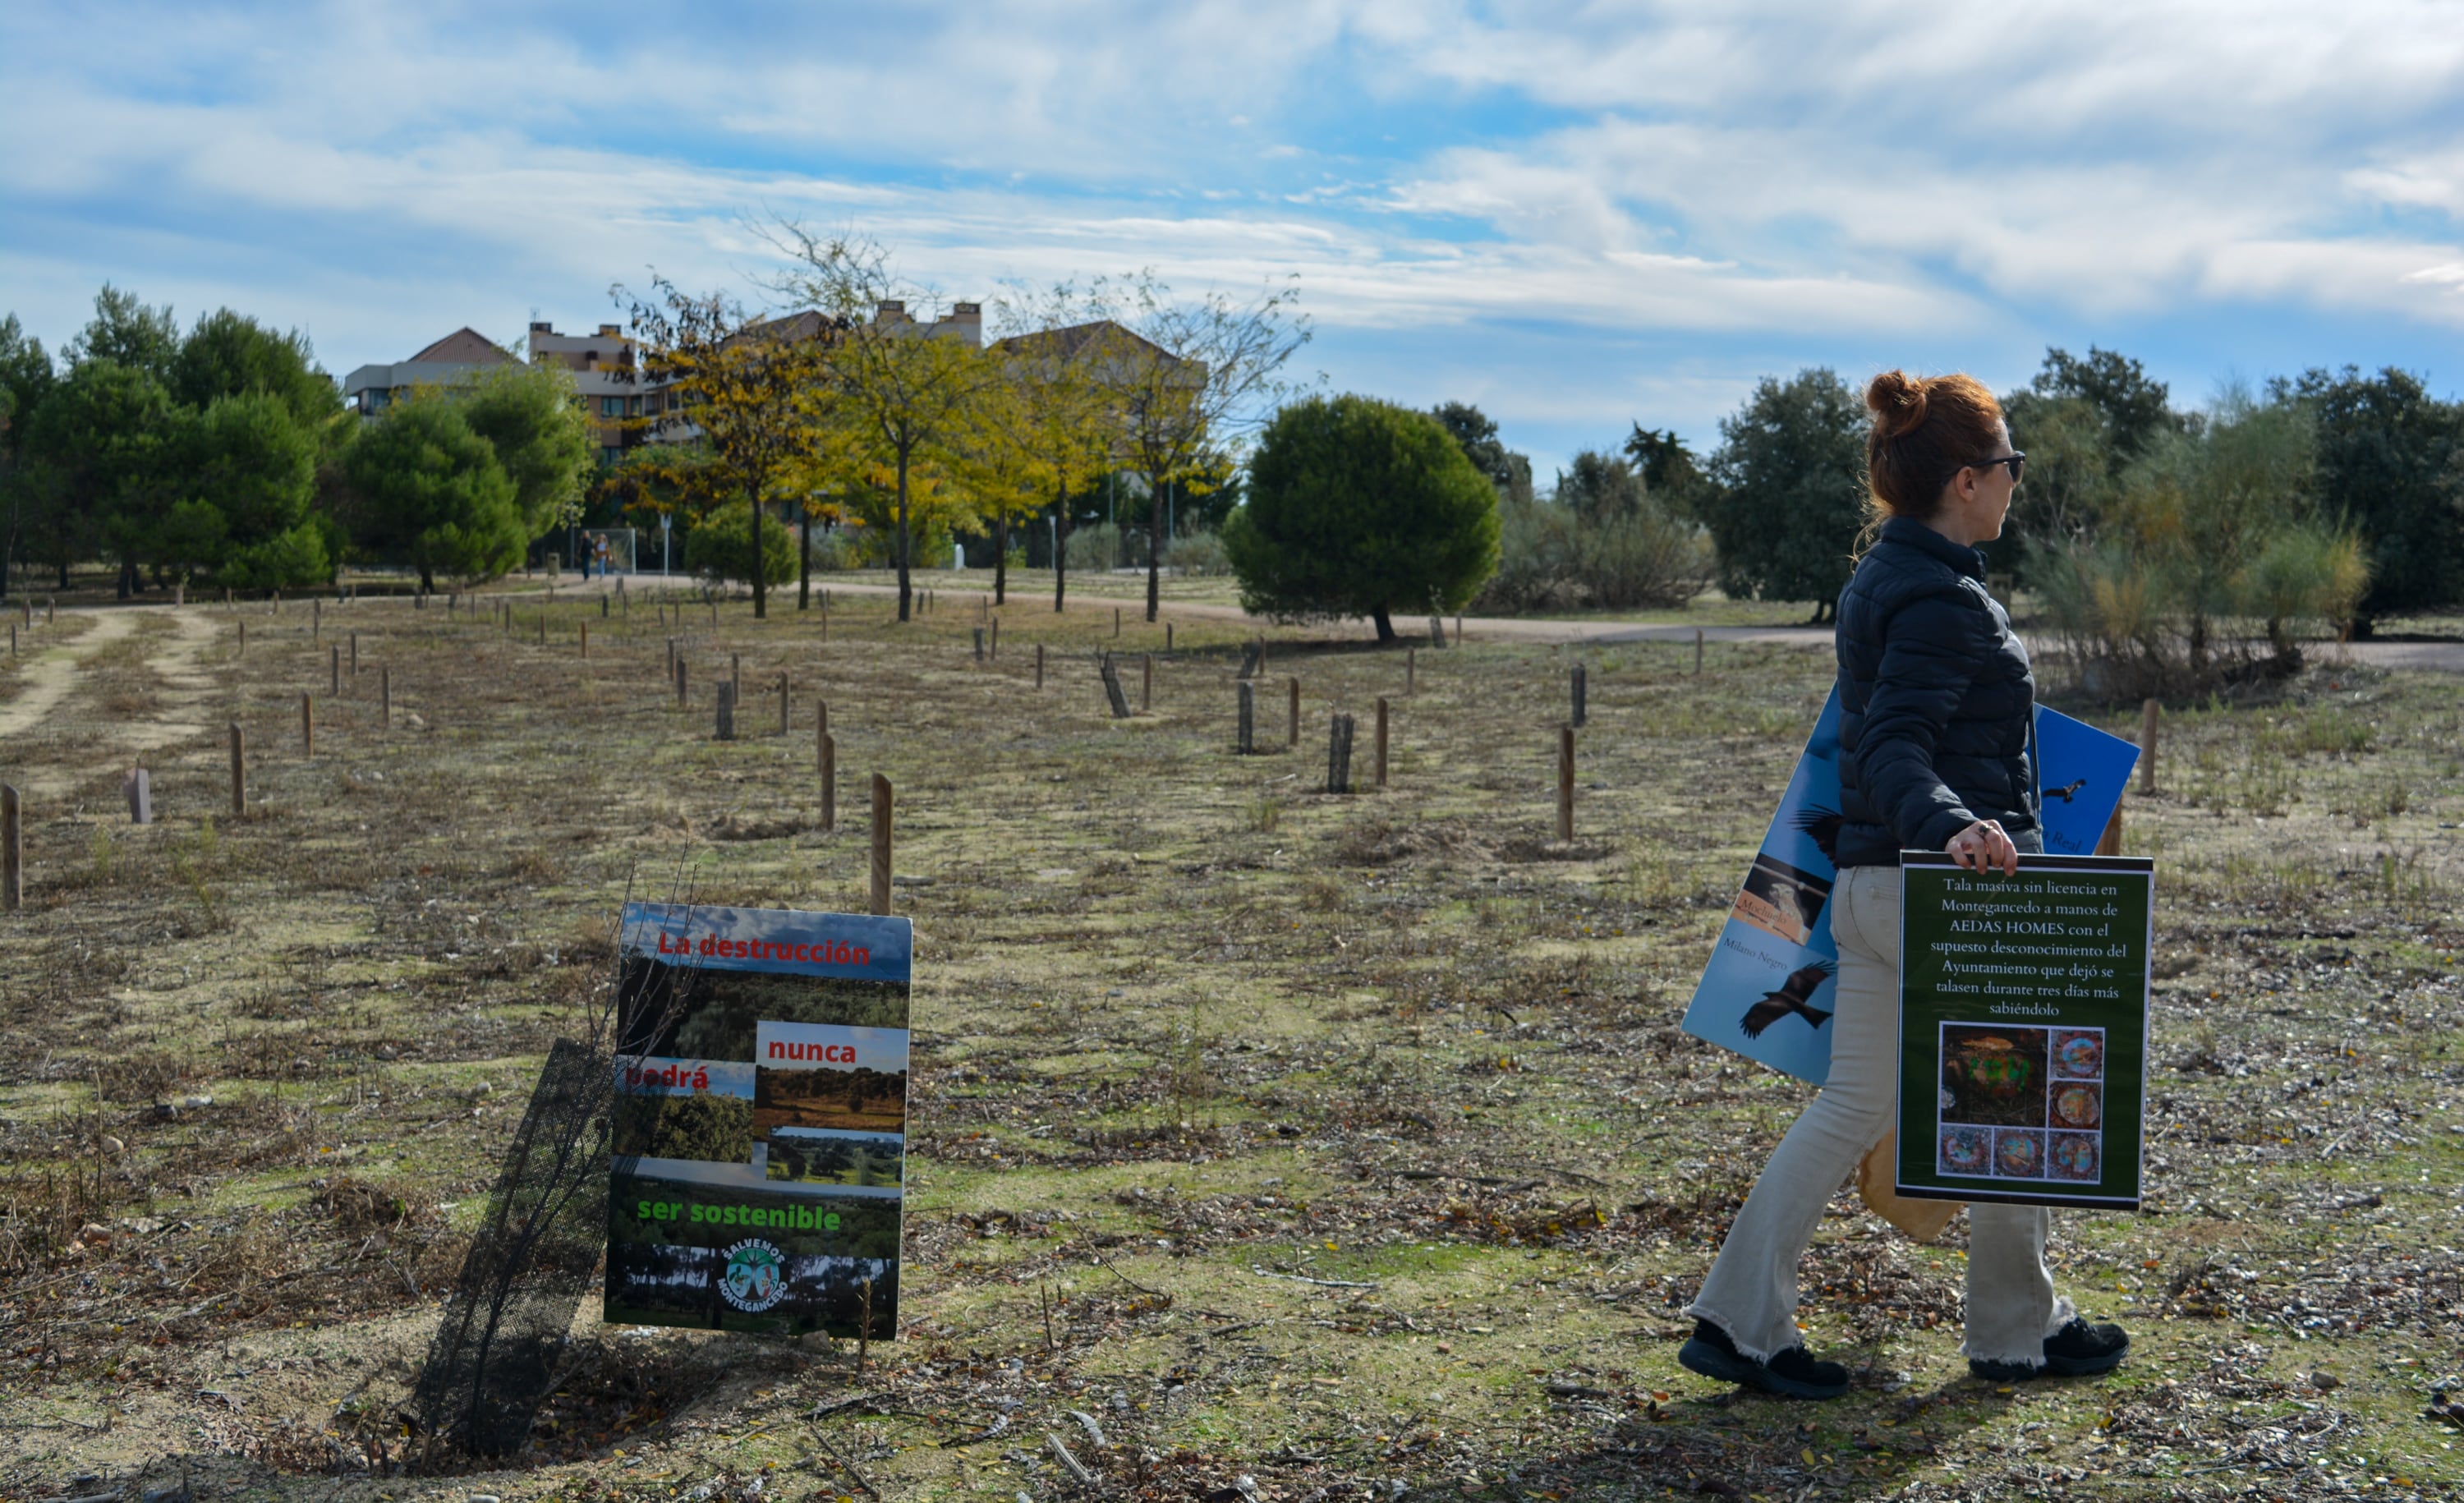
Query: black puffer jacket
[1936,702]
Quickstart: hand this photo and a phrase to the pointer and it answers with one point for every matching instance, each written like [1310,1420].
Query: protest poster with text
[1767,990]
[760,1120]
[2023,1030]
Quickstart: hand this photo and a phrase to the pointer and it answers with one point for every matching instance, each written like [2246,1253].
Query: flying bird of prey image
[2066,794]
[1789,997]
[1823,824]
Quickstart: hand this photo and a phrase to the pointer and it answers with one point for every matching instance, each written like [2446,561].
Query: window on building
[632,407]
[612,407]
[611,454]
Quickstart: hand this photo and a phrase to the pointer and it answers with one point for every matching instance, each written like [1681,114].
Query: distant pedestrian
[1937,705]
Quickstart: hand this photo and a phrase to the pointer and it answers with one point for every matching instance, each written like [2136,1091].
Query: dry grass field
[1266,1144]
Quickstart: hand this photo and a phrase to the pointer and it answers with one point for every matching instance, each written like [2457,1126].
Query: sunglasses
[2013,461]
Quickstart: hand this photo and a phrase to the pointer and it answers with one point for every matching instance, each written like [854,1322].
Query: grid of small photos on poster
[2021,1103]
[761,1120]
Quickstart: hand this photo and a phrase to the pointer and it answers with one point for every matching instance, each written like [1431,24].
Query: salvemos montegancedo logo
[756,1276]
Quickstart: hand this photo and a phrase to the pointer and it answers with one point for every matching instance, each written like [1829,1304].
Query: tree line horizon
[2166,547]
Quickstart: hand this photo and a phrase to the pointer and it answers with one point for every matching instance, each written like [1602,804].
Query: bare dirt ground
[1340,1144]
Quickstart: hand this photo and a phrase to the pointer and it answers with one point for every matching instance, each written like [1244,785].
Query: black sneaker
[2078,1349]
[1790,1372]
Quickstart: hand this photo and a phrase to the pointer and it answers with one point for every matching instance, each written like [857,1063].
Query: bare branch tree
[1189,382]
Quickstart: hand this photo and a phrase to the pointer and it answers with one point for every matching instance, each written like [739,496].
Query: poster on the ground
[2023,1030]
[1766,991]
[760,1120]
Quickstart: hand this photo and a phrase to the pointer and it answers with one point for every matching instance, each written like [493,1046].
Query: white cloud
[1791,174]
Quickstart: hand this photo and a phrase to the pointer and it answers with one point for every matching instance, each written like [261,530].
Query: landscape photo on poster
[1766,991]
[759,1119]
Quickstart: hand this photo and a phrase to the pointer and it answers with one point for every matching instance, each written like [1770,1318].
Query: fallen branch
[1125,1278]
[1300,1278]
[845,1465]
[1000,1426]
[1053,1441]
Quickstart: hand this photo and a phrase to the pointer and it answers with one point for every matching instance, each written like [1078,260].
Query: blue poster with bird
[1766,991]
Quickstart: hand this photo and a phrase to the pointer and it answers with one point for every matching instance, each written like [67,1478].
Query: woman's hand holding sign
[1983,846]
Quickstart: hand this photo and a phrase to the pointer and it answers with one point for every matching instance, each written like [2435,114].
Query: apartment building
[455,358]
[607,378]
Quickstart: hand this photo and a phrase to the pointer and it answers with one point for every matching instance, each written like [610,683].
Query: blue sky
[1576,216]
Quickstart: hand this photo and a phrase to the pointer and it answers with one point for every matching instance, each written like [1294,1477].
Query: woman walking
[1936,709]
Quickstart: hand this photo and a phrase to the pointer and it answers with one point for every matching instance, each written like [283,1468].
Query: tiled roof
[464,346]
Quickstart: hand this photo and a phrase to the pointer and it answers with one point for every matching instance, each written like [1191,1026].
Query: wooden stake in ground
[355,654]
[239,771]
[1411,672]
[1167,636]
[1146,682]
[140,788]
[1338,754]
[1039,665]
[829,754]
[585,639]
[2109,844]
[1246,740]
[995,639]
[334,670]
[307,725]
[1564,783]
[680,681]
[727,712]
[12,848]
[1578,686]
[1292,717]
[881,816]
[1113,691]
[1457,629]
[2146,749]
[1698,652]
[385,697]
[1116,621]
[1436,631]
[783,704]
[979,644]
[1381,742]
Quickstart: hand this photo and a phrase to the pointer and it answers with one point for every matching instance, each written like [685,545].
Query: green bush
[720,547]
[1196,554]
[1096,548]
[1604,543]
[432,493]
[1361,508]
[2213,560]
[839,550]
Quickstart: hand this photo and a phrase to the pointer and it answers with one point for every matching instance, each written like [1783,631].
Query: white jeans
[1751,1291]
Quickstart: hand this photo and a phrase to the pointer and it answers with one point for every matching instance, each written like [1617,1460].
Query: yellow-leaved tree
[741,423]
[903,379]
[1049,418]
